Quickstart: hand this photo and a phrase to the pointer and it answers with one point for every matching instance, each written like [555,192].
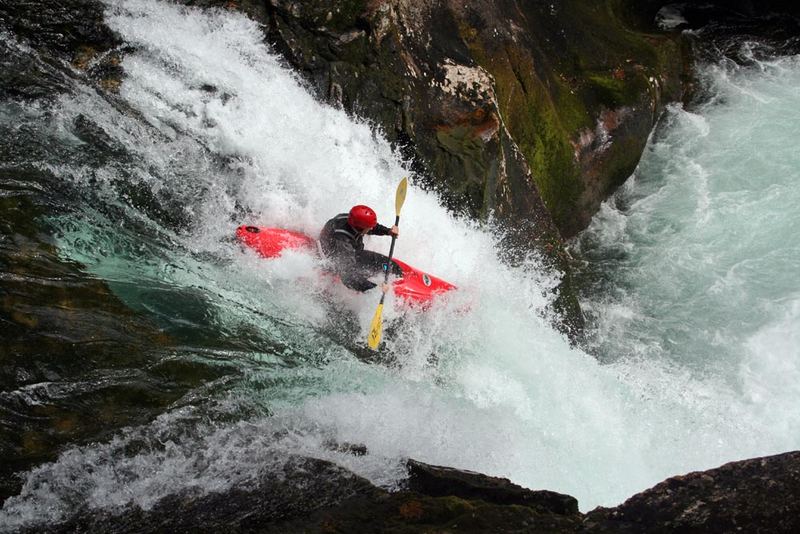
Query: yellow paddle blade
[400,197]
[374,338]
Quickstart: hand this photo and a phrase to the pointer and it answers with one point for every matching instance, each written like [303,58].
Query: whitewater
[693,302]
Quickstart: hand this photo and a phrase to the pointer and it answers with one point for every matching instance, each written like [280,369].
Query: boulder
[757,495]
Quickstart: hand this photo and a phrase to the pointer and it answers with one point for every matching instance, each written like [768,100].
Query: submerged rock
[272,499]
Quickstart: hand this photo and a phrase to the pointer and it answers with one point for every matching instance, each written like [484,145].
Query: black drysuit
[344,246]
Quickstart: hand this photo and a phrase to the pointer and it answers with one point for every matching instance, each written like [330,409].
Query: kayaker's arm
[383,230]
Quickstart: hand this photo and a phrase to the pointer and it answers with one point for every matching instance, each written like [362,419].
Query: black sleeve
[380,230]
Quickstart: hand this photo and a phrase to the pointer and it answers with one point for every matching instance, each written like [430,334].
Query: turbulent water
[693,297]
[694,264]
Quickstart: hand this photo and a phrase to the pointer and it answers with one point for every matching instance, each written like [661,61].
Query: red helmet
[362,218]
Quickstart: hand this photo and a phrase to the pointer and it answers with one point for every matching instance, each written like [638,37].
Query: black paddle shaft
[389,261]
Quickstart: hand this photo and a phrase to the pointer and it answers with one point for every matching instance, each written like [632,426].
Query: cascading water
[209,131]
[698,253]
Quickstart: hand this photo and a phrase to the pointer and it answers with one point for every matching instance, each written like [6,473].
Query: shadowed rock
[309,495]
[758,495]
[440,481]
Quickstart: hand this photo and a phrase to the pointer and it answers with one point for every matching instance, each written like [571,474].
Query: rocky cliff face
[532,111]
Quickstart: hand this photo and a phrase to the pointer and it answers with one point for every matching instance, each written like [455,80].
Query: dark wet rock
[438,481]
[23,76]
[700,12]
[76,362]
[757,495]
[745,40]
[408,512]
[58,326]
[62,27]
[309,495]
[497,102]
[301,487]
[741,32]
[72,31]
[356,449]
[721,28]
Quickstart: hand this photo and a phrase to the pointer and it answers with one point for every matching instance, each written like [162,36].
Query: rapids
[691,272]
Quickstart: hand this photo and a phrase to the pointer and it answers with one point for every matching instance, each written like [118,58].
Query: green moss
[615,89]
[540,126]
[460,143]
[599,64]
[609,89]
[536,124]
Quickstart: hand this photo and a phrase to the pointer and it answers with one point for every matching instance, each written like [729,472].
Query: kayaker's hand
[385,288]
[394,230]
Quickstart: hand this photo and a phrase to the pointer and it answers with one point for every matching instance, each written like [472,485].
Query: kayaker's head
[362,218]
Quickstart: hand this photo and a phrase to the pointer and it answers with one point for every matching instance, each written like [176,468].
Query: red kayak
[414,286]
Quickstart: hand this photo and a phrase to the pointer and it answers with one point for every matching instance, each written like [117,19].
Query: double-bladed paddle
[376,329]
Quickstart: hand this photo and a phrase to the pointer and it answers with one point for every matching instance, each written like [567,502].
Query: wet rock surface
[76,362]
[71,31]
[443,481]
[497,102]
[273,499]
[701,12]
[61,27]
[759,495]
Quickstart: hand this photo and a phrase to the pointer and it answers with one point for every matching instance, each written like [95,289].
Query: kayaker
[342,241]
